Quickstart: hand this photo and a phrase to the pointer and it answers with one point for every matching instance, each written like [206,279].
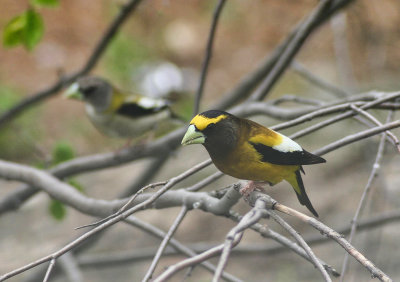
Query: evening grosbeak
[119,114]
[247,150]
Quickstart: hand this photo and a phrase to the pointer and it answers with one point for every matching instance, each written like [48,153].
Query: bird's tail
[298,186]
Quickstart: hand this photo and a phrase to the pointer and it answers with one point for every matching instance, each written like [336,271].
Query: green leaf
[45,3]
[25,29]
[57,209]
[13,31]
[34,29]
[62,151]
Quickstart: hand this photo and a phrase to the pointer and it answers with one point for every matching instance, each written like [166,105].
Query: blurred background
[159,51]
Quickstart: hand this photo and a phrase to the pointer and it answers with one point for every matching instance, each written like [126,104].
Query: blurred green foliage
[25,29]
[62,152]
[45,3]
[57,210]
[18,139]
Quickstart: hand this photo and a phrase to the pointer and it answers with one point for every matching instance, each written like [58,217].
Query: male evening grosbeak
[247,150]
[119,114]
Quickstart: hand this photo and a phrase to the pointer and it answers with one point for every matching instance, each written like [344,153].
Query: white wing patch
[287,145]
[149,103]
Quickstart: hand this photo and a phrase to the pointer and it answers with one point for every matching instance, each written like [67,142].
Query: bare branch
[388,133]
[253,216]
[373,174]
[291,50]
[302,243]
[376,272]
[317,81]
[357,136]
[49,269]
[207,56]
[164,243]
[193,261]
[249,82]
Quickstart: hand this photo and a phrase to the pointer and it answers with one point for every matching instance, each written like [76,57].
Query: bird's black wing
[273,156]
[133,110]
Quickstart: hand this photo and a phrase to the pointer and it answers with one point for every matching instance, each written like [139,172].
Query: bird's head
[216,130]
[93,90]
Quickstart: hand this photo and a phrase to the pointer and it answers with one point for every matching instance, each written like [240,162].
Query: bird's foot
[252,186]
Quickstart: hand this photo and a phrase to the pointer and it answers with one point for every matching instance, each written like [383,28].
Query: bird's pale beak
[73,92]
[193,137]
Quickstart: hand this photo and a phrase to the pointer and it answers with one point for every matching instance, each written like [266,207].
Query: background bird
[247,150]
[120,114]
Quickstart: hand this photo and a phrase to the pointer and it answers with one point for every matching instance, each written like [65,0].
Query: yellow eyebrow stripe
[201,122]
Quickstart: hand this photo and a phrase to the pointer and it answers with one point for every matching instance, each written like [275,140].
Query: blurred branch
[284,60]
[70,267]
[145,177]
[343,57]
[207,56]
[318,81]
[97,52]
[250,81]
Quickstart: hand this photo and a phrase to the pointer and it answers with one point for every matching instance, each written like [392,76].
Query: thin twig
[250,218]
[49,269]
[266,232]
[318,81]
[291,50]
[194,260]
[347,114]
[356,137]
[205,181]
[250,81]
[388,133]
[373,174]
[125,206]
[207,55]
[164,243]
[154,231]
[375,271]
[314,260]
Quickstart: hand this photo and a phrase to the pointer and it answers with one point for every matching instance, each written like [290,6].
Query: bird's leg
[252,186]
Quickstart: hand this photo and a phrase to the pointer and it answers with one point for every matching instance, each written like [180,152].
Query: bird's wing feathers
[135,106]
[278,149]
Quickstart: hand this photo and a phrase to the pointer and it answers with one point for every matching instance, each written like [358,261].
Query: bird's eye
[89,90]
